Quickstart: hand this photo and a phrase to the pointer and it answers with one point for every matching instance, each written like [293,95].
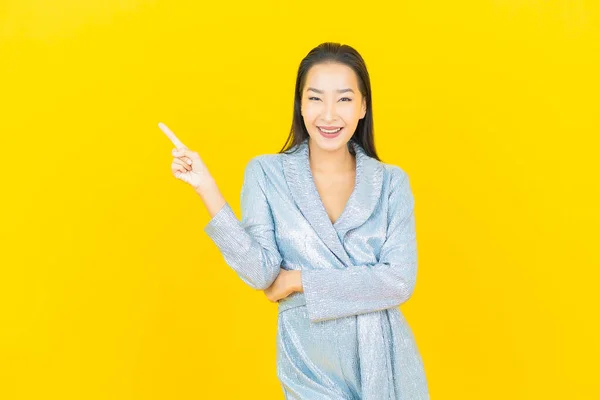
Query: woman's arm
[211,197]
[249,246]
[358,289]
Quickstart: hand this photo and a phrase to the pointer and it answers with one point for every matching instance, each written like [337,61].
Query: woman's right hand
[187,164]
[189,167]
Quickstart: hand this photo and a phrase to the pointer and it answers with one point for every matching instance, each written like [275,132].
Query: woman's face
[331,100]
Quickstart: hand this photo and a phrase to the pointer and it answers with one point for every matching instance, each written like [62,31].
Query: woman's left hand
[286,283]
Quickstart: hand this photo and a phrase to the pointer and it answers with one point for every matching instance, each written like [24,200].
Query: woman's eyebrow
[339,90]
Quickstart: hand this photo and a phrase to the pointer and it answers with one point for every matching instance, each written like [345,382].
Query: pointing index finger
[178,144]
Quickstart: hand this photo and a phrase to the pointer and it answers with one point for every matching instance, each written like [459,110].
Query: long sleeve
[358,289]
[249,246]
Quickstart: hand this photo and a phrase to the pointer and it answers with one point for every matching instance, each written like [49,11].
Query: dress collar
[360,205]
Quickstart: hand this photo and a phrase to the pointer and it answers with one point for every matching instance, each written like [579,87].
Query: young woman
[327,232]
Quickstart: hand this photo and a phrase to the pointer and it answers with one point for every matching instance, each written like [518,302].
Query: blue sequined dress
[344,336]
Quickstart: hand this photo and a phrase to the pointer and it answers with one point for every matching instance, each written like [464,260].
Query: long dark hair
[343,54]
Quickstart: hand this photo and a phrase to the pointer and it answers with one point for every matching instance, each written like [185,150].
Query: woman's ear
[363,110]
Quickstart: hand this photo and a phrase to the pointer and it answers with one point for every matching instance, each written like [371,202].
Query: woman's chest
[303,245]
[334,193]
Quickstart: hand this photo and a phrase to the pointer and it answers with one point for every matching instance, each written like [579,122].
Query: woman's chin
[329,144]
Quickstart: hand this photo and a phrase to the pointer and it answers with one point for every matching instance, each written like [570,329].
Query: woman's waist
[298,299]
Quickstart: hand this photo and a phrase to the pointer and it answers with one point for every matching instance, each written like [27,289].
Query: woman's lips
[330,128]
[329,134]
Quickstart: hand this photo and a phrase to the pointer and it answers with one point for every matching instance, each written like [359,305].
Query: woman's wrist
[211,196]
[297,281]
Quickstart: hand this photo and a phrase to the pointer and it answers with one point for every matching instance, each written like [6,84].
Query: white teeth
[326,131]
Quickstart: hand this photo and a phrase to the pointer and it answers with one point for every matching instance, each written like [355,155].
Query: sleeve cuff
[314,292]
[221,227]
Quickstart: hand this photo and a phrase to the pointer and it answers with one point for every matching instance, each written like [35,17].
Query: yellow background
[110,289]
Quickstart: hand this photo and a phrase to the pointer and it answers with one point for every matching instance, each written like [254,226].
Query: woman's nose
[329,112]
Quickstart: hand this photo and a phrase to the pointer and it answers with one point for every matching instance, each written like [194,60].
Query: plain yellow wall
[110,289]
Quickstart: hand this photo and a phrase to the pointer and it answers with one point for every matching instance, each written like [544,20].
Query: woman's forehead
[331,77]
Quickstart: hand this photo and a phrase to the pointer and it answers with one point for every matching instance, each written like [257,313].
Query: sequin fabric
[344,336]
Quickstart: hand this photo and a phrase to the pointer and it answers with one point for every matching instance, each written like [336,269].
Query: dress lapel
[366,194]
[360,205]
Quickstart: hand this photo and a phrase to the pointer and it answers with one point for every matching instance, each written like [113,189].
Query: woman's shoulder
[397,184]
[394,173]
[266,160]
[265,164]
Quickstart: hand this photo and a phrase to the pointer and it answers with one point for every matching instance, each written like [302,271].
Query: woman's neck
[330,162]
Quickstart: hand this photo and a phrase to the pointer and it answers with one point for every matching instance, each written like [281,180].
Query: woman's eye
[316,98]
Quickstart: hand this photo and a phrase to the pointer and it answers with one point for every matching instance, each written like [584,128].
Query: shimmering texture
[344,337]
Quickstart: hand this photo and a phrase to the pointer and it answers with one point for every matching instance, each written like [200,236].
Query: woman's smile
[329,133]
